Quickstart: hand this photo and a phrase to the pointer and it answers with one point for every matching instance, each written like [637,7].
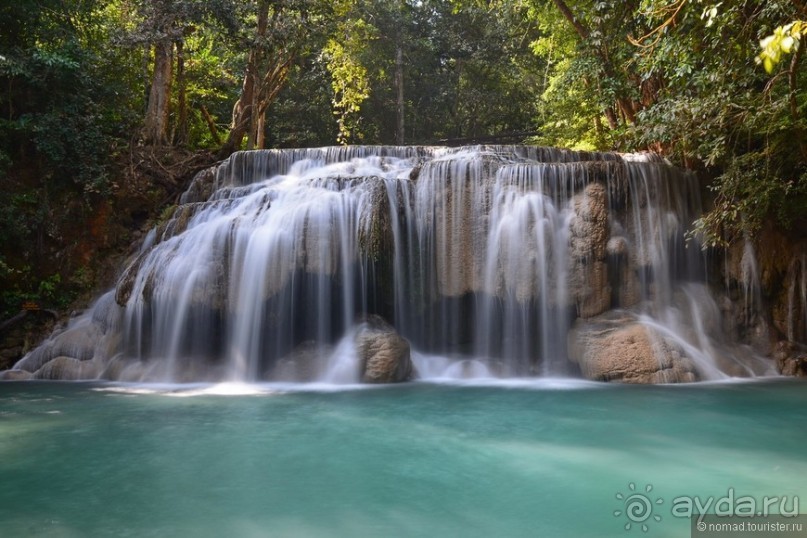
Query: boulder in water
[384,355]
[614,348]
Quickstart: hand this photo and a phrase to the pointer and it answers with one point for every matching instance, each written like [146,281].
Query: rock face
[302,365]
[384,355]
[791,359]
[79,351]
[67,369]
[589,232]
[15,375]
[614,348]
[765,282]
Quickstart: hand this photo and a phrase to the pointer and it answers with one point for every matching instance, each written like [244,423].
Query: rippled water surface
[546,458]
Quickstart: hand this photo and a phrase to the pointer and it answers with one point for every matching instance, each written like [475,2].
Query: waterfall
[489,260]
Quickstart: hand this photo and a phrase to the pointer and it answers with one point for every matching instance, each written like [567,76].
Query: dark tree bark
[243,110]
[181,137]
[399,84]
[211,124]
[155,129]
[581,30]
[626,106]
[280,34]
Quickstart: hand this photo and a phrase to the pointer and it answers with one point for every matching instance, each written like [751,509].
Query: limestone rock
[791,359]
[15,375]
[202,186]
[34,360]
[67,369]
[624,350]
[303,364]
[384,355]
[625,288]
[77,342]
[589,286]
[106,314]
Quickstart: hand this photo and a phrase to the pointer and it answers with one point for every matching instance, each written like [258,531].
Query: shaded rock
[621,349]
[132,371]
[375,226]
[791,359]
[83,339]
[303,364]
[625,288]
[589,286]
[589,226]
[15,375]
[122,368]
[448,189]
[77,342]
[384,355]
[106,314]
[67,369]
[126,282]
[34,360]
[202,186]
[179,221]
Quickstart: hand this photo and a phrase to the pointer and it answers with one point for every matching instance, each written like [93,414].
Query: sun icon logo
[638,507]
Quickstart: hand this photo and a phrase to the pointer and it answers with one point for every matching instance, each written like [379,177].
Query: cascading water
[486,259]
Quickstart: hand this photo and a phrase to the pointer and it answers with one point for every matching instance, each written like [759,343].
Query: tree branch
[581,30]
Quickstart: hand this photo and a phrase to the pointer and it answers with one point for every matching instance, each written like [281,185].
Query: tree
[418,72]
[161,29]
[65,105]
[284,32]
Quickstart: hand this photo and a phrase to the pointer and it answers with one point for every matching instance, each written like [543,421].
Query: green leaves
[349,77]
[784,40]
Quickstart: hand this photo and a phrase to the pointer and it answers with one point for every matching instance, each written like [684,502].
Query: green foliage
[679,78]
[65,108]
[719,113]
[302,114]
[350,81]
[784,40]
[468,70]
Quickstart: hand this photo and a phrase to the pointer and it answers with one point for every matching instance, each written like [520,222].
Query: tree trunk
[214,131]
[626,106]
[182,114]
[260,131]
[581,30]
[399,83]
[146,77]
[243,123]
[610,115]
[155,130]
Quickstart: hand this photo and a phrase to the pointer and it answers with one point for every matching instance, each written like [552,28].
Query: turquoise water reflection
[542,459]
